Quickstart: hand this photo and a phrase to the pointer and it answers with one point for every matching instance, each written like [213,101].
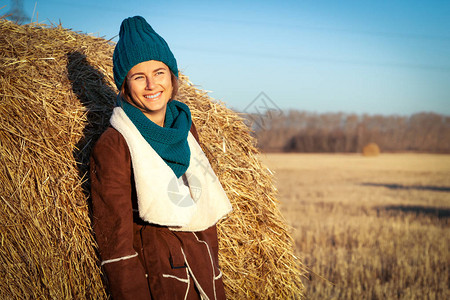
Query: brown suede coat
[142,260]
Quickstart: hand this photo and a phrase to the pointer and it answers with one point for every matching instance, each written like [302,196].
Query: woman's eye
[138,77]
[159,73]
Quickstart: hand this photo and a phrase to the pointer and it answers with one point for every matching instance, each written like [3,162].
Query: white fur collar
[164,199]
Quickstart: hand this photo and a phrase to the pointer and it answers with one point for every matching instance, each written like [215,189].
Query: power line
[405,35]
[315,59]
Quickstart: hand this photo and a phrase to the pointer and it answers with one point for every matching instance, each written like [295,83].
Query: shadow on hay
[441,213]
[395,186]
[97,97]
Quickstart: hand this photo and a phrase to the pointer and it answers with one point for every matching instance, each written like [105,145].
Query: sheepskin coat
[143,260]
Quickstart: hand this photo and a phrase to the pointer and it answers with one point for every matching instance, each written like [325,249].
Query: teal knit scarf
[170,141]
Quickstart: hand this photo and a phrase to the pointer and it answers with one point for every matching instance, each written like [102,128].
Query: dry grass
[56,96]
[375,228]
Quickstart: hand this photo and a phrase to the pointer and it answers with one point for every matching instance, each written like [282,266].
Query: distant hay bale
[56,97]
[371,149]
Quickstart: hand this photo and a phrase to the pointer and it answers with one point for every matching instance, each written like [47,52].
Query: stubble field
[368,227]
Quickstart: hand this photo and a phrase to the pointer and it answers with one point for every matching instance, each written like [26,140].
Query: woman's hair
[125,92]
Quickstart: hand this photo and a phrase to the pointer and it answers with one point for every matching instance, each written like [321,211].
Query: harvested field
[374,227]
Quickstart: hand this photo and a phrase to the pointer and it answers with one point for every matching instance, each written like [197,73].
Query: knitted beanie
[138,42]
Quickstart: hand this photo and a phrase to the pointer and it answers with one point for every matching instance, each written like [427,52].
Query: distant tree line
[299,131]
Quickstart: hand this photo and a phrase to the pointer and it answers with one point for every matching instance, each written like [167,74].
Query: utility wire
[306,58]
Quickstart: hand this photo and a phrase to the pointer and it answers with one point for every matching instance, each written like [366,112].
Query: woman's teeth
[153,96]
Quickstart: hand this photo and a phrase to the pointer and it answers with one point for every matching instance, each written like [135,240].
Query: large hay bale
[56,96]
[371,149]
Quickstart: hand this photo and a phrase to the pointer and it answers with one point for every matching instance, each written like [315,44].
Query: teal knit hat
[138,42]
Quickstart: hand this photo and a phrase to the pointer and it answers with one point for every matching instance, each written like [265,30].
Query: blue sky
[375,57]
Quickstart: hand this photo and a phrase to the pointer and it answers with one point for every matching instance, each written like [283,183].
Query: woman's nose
[150,83]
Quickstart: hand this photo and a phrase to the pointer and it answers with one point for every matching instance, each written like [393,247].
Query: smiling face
[149,87]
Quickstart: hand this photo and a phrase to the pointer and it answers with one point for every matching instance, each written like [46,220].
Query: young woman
[156,199]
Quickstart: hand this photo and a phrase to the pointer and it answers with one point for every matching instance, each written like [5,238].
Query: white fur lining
[203,295]
[212,263]
[108,261]
[218,276]
[163,199]
[177,278]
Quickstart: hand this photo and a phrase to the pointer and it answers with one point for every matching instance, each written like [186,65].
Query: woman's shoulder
[111,139]
[110,134]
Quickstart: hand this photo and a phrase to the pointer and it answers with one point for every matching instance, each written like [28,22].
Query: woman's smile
[154,96]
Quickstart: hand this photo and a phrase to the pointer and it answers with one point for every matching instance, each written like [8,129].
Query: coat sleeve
[111,192]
